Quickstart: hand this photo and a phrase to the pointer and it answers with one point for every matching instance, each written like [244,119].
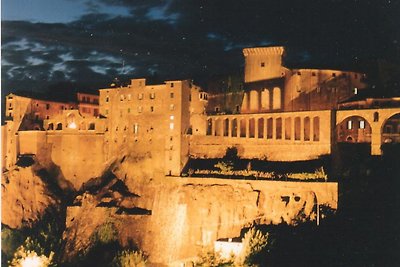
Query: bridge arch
[354,129]
[391,129]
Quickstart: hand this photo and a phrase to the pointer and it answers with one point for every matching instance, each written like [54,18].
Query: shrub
[208,257]
[129,258]
[26,255]
[254,242]
[104,234]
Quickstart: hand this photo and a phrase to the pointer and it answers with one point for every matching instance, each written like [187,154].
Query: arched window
[307,129]
[288,128]
[269,128]
[252,129]
[50,126]
[59,126]
[209,127]
[242,128]
[92,126]
[226,127]
[316,129]
[234,128]
[260,127]
[218,129]
[265,99]
[276,98]
[254,100]
[297,128]
[279,128]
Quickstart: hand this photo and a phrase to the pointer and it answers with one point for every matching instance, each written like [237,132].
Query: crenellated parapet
[275,50]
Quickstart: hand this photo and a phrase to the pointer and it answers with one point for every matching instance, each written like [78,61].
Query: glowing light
[72,125]
[171,126]
[32,261]
[171,117]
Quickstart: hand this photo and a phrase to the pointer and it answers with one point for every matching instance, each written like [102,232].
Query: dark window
[333,74]
[47,106]
[262,64]
[172,84]
[151,108]
[171,95]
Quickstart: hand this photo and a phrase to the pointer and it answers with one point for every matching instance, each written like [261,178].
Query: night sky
[84,44]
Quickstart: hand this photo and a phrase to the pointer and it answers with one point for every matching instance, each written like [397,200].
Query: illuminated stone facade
[281,114]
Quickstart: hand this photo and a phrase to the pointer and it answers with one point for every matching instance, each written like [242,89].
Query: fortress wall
[74,157]
[285,136]
[215,147]
[79,156]
[30,141]
[189,213]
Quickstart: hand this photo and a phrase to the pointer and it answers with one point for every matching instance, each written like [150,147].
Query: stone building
[281,114]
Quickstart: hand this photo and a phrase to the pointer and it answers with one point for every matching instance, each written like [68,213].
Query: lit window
[140,96]
[171,107]
[362,124]
[122,97]
[129,97]
[136,128]
[139,109]
[152,95]
[355,90]
[171,126]
[349,125]
[171,117]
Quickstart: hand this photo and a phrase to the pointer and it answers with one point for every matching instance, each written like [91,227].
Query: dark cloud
[195,39]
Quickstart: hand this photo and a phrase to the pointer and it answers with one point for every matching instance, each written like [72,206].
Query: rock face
[25,197]
[186,214]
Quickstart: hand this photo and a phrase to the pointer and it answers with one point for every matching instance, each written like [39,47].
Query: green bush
[129,258]
[208,257]
[105,233]
[254,243]
[31,253]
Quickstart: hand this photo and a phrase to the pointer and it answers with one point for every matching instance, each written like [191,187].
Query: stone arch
[288,128]
[71,121]
[242,127]
[226,127]
[307,128]
[92,126]
[82,125]
[59,126]
[252,128]
[50,126]
[297,128]
[276,98]
[265,101]
[316,129]
[278,128]
[269,128]
[217,127]
[234,128]
[391,129]
[261,126]
[354,129]
[254,102]
[209,127]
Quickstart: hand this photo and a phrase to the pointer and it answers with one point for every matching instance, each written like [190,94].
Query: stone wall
[73,157]
[189,213]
